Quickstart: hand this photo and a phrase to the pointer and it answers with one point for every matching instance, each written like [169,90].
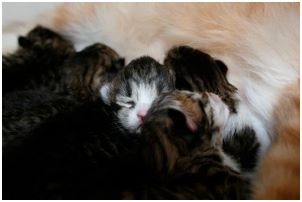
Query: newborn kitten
[78,154]
[45,77]
[183,150]
[40,54]
[133,90]
[199,72]
[45,60]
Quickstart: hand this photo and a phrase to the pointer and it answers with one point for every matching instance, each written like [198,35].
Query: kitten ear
[24,42]
[104,93]
[181,121]
[222,67]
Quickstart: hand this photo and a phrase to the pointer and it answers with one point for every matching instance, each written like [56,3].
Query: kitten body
[45,76]
[199,72]
[80,159]
[177,152]
[46,60]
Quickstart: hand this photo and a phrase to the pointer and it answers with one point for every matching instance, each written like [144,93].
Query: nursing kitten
[133,90]
[198,72]
[37,61]
[243,35]
[76,154]
[183,151]
[177,156]
[46,76]
[46,60]
[24,110]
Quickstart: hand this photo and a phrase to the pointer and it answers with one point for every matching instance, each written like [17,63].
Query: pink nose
[141,115]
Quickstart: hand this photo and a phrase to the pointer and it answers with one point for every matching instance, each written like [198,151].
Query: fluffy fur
[243,35]
[259,42]
[279,172]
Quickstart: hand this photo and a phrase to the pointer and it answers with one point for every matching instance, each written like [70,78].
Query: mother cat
[258,42]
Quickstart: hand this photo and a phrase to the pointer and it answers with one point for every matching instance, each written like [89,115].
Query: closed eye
[125,102]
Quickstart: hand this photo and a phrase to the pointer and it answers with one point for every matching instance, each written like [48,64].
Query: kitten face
[134,89]
[182,125]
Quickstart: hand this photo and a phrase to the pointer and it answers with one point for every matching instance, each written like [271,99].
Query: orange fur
[278,174]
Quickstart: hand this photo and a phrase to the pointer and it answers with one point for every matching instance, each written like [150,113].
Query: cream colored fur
[259,42]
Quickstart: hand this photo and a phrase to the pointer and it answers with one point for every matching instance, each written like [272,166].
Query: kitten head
[134,89]
[43,38]
[199,72]
[182,126]
[89,69]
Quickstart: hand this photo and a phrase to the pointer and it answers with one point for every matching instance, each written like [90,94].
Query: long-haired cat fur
[257,41]
[278,173]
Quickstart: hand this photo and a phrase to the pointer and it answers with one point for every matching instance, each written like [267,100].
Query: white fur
[228,161]
[258,42]
[104,93]
[143,96]
[220,110]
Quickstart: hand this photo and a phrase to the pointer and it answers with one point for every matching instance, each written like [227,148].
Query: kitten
[24,110]
[46,76]
[72,155]
[133,90]
[177,156]
[37,61]
[233,32]
[183,151]
[199,72]
[46,60]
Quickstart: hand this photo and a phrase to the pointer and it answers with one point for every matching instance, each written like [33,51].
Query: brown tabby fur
[187,163]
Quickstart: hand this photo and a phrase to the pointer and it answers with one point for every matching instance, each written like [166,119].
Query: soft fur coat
[259,42]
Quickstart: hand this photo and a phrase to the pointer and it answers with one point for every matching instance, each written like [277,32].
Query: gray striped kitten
[133,90]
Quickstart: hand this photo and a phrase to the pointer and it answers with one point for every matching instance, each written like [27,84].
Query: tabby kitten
[183,151]
[78,154]
[45,77]
[36,62]
[199,72]
[133,90]
[177,156]
[45,60]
